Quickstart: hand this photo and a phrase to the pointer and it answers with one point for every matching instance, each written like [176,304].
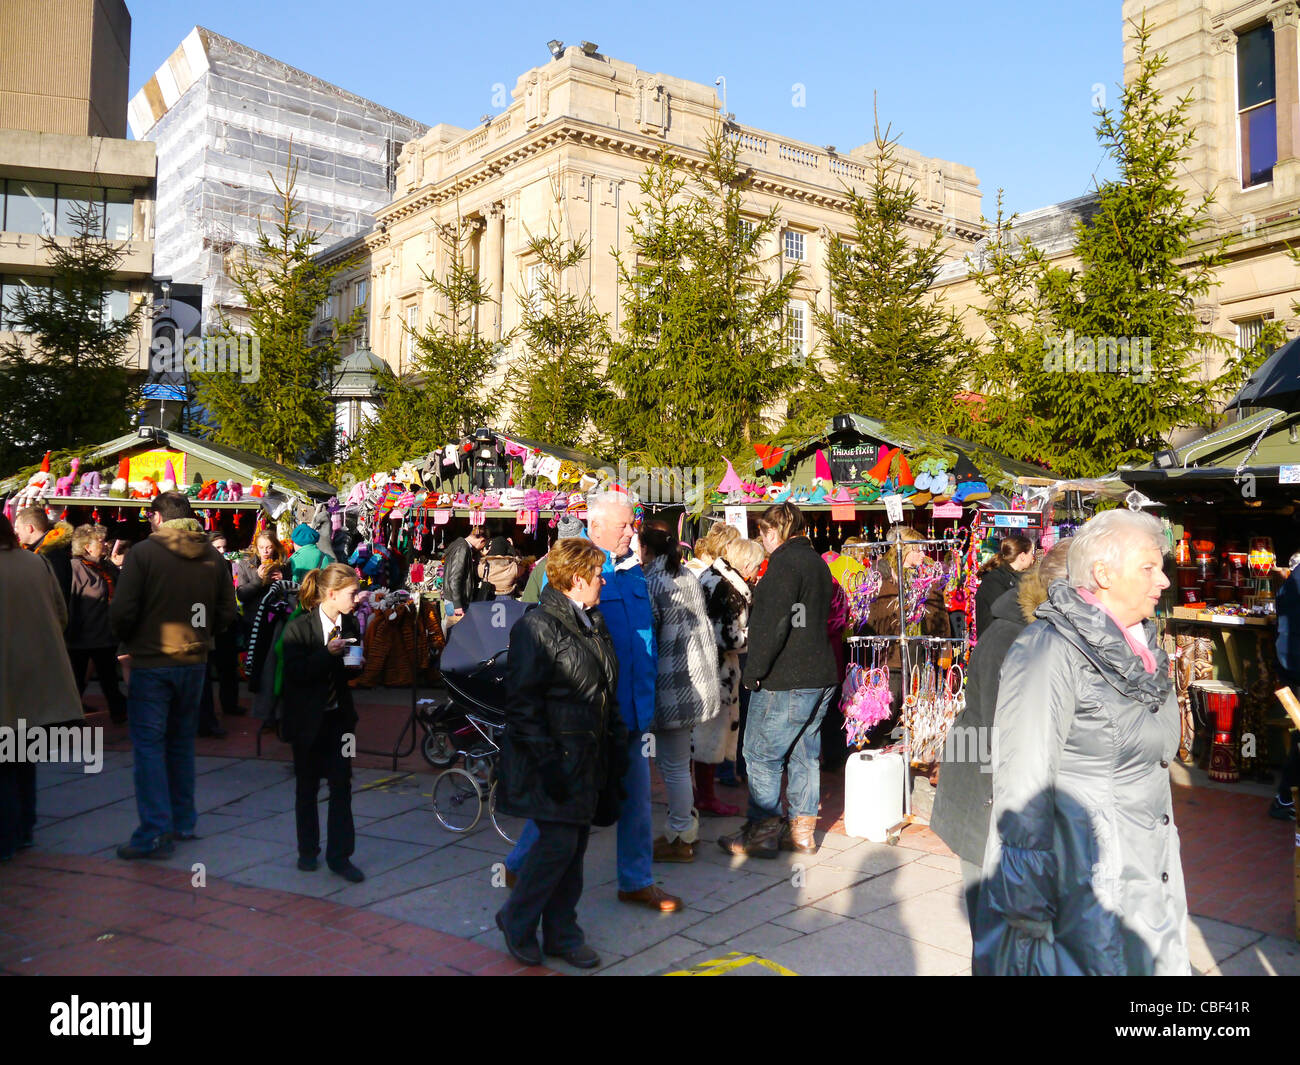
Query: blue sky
[1006,87]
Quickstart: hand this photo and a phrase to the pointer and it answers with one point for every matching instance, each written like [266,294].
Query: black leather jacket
[460,574]
[563,730]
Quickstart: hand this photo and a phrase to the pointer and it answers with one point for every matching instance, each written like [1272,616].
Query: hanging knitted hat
[822,468]
[906,483]
[770,456]
[970,483]
[879,473]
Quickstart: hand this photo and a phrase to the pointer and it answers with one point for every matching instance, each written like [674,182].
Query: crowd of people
[719,664]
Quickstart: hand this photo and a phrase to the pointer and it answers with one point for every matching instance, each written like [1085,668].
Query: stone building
[569,151]
[63,148]
[225,119]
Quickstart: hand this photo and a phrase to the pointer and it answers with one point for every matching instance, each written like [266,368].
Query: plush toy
[168,482]
[971,486]
[147,490]
[63,487]
[120,489]
[259,487]
[196,486]
[234,490]
[91,486]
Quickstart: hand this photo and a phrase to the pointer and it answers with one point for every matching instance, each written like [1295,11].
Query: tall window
[1249,330]
[1256,105]
[363,293]
[412,328]
[796,330]
[793,245]
[533,275]
[29,207]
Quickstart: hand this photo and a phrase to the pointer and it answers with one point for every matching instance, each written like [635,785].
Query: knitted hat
[970,483]
[879,473]
[569,527]
[168,482]
[119,487]
[822,468]
[304,534]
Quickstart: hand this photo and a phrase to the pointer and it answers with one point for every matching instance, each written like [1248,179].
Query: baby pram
[467,723]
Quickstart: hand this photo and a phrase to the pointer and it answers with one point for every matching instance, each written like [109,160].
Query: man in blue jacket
[625,605]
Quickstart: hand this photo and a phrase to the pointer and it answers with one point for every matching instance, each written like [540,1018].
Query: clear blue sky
[1006,87]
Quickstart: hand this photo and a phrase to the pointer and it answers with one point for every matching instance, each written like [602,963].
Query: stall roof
[213,460]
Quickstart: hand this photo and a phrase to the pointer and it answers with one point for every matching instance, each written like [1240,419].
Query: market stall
[1230,499]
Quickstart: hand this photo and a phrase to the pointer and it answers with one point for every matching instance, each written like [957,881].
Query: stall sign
[893,508]
[850,465]
[153,464]
[1288,474]
[738,519]
[1011,521]
[946,510]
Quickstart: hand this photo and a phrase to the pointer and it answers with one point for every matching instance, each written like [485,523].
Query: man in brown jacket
[174,593]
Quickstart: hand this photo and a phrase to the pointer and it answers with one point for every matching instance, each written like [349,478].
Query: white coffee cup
[353,658]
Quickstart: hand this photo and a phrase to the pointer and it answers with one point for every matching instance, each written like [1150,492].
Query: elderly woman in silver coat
[1082,873]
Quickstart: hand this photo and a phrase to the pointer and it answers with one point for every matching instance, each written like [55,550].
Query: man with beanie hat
[568,527]
[309,556]
[173,595]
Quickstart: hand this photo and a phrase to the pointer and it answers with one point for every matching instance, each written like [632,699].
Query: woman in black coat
[319,713]
[965,793]
[999,575]
[562,733]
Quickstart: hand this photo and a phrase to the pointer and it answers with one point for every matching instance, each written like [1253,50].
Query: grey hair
[606,498]
[1108,538]
[1295,561]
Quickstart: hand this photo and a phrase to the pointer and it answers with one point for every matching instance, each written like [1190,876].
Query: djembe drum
[1220,703]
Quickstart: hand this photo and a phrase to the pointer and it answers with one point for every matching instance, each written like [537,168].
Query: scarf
[1138,647]
[103,573]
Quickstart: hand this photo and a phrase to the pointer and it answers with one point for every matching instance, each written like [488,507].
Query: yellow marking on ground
[731,962]
[383,782]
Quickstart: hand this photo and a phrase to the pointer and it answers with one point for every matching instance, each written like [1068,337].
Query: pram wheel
[439,749]
[481,764]
[508,828]
[457,800]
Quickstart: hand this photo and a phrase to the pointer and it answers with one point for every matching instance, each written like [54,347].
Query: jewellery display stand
[903,578]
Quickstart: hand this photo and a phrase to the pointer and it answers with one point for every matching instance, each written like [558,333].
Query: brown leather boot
[756,839]
[673,850]
[797,835]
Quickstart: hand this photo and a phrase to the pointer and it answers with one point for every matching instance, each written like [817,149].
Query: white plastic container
[873,794]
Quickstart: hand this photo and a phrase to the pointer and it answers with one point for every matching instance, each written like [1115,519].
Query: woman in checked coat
[686,685]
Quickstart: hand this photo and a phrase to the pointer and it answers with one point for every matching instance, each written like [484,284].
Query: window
[744,230]
[1256,105]
[35,286]
[362,294]
[793,245]
[1249,331]
[327,308]
[841,320]
[534,277]
[29,207]
[412,327]
[74,202]
[119,211]
[117,304]
[796,332]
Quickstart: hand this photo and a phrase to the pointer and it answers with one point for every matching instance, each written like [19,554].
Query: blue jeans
[783,732]
[162,716]
[635,827]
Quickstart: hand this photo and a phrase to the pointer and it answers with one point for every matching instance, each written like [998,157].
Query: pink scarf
[1138,647]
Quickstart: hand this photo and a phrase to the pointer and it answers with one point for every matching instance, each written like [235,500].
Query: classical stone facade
[569,152]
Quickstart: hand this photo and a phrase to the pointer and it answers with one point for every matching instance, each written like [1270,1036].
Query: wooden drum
[1219,705]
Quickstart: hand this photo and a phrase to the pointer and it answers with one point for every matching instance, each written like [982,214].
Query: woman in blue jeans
[791,674]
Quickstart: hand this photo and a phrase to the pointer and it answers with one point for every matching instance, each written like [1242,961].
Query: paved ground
[69,907]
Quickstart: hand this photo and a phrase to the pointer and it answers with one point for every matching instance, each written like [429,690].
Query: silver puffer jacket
[1082,873]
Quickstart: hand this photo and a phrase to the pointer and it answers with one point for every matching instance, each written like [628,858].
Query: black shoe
[348,872]
[308,865]
[214,732]
[582,957]
[163,848]
[1281,811]
[524,953]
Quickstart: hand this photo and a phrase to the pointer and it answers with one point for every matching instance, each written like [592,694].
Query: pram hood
[480,635]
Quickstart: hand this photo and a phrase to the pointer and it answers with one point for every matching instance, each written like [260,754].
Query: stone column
[492,263]
[1285,19]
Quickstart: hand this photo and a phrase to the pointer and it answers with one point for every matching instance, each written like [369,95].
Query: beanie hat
[569,527]
[304,534]
[970,484]
[119,487]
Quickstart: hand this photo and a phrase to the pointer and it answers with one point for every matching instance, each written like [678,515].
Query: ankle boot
[756,839]
[797,835]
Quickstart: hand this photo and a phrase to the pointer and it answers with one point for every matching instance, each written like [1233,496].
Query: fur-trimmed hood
[59,538]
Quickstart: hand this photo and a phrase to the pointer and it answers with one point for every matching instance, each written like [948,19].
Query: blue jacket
[625,605]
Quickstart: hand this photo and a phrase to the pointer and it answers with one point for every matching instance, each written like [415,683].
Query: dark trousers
[17,806]
[105,659]
[323,758]
[548,889]
[1290,771]
[223,667]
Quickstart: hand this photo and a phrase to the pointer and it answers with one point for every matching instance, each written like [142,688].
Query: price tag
[738,519]
[893,508]
[1288,474]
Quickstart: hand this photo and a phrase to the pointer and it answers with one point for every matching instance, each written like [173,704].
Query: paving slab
[463,906]
[904,882]
[853,948]
[1271,956]
[661,957]
[872,858]
[934,918]
[718,928]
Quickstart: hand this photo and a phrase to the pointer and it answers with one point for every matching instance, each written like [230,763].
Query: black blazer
[307,669]
[788,644]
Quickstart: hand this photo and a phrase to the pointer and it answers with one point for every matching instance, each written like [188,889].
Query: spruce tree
[64,380]
[556,382]
[442,397]
[890,350]
[286,414]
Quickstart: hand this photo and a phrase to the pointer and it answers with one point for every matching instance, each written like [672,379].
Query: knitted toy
[147,490]
[91,485]
[63,487]
[168,483]
[120,488]
[971,486]
[196,486]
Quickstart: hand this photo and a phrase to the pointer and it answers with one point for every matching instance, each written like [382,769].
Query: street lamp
[556,47]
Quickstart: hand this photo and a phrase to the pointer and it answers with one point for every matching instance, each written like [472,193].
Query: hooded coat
[309,556]
[1082,873]
[173,595]
[56,549]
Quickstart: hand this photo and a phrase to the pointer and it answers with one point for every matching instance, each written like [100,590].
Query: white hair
[1295,561]
[602,498]
[1108,538]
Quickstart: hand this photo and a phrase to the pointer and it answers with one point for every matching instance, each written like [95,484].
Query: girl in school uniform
[319,715]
